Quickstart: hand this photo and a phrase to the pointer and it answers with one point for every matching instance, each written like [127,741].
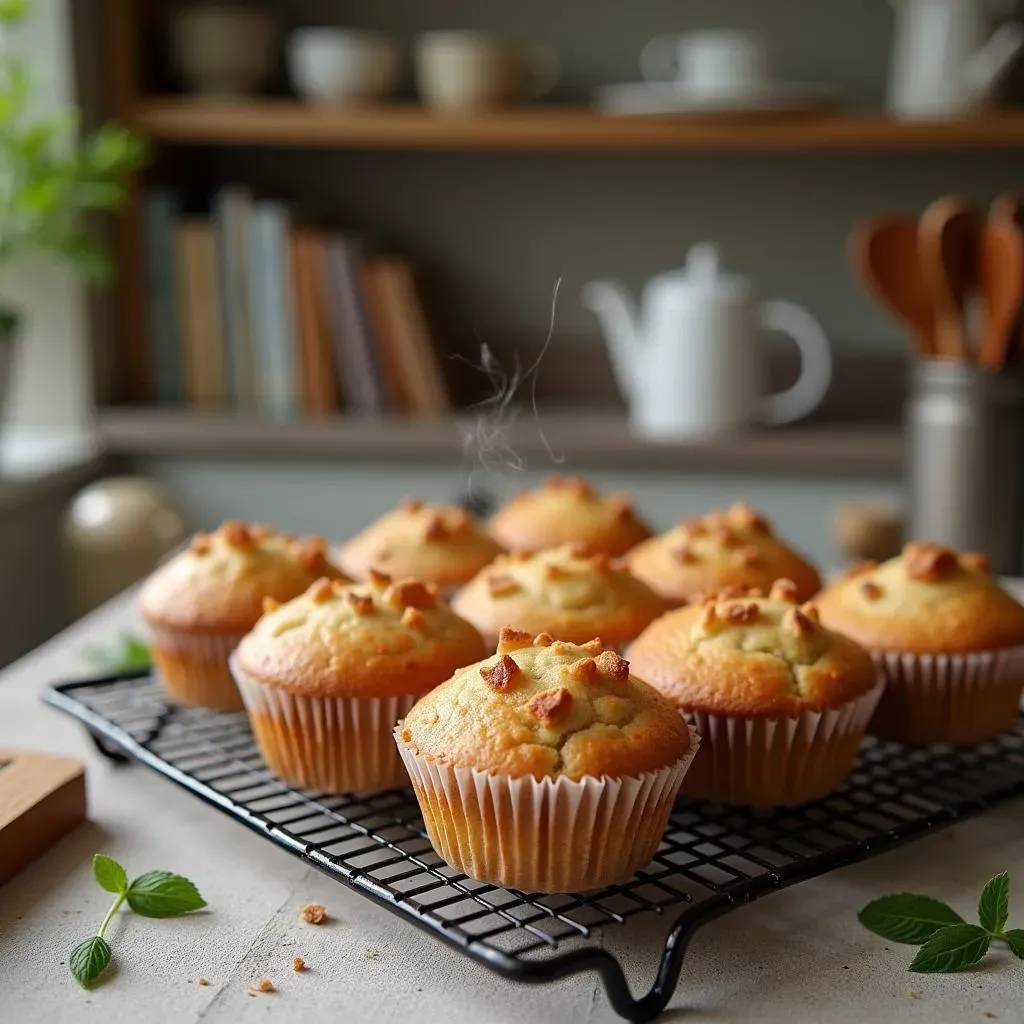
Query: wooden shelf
[288,123]
[590,440]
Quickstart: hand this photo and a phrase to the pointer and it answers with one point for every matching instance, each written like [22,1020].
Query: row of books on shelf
[251,309]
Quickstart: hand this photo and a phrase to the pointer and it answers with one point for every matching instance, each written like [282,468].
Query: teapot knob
[702,262]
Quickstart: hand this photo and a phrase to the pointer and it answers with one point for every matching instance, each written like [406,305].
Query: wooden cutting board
[42,797]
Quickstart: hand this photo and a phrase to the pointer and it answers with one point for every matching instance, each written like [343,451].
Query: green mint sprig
[128,654]
[154,894]
[948,943]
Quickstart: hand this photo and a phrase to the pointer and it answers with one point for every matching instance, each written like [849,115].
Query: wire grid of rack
[712,858]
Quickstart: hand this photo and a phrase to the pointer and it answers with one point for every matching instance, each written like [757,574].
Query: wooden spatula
[1001,283]
[947,239]
[884,254]
[1010,207]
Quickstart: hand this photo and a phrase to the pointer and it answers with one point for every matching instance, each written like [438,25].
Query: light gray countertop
[798,957]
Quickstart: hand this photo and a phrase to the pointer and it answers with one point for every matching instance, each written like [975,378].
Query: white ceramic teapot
[946,60]
[687,361]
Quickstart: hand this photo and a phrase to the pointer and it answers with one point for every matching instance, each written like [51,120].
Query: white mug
[473,70]
[337,65]
[717,62]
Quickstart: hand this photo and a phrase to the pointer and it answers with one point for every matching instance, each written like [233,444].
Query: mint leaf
[110,875]
[906,917]
[162,894]
[1014,938]
[994,904]
[88,960]
[951,949]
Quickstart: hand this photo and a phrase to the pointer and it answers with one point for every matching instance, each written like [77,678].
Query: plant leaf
[907,917]
[1015,940]
[88,960]
[951,949]
[12,11]
[994,903]
[110,875]
[162,894]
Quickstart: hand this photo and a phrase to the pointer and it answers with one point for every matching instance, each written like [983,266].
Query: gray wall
[498,229]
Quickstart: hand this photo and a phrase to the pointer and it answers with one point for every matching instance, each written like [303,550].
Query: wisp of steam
[485,437]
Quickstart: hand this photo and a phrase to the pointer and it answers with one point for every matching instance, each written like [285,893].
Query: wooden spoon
[884,254]
[1010,207]
[1001,283]
[947,239]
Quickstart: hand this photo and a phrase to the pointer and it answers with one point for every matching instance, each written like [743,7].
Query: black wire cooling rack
[711,860]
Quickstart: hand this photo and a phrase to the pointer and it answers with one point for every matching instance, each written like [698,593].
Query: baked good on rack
[440,544]
[948,637]
[705,555]
[565,591]
[781,703]
[326,676]
[567,510]
[546,767]
[200,603]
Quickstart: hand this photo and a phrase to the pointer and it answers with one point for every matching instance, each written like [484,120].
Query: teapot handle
[816,362]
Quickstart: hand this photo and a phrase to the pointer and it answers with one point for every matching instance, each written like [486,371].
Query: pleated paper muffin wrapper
[334,744]
[193,667]
[780,760]
[543,835]
[948,698]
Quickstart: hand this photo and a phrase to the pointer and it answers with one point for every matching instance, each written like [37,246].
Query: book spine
[232,215]
[165,328]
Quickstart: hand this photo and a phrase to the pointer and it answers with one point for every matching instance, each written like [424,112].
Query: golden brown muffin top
[929,598]
[440,544]
[217,585]
[732,548]
[381,638]
[751,656]
[565,591]
[565,510]
[548,708]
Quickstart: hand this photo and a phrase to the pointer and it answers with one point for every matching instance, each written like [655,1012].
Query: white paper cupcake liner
[781,760]
[193,667]
[334,744]
[543,835]
[948,698]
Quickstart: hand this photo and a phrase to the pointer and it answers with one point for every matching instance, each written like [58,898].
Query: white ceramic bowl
[342,66]
[222,52]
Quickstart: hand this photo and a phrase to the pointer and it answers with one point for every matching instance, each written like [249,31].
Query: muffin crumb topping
[379,579]
[413,618]
[501,585]
[200,544]
[592,646]
[798,623]
[724,535]
[501,676]
[236,534]
[612,664]
[871,591]
[513,640]
[579,488]
[270,604]
[974,561]
[585,669]
[434,528]
[747,519]
[784,590]
[410,594]
[361,604]
[924,560]
[312,553]
[411,504]
[550,705]
[543,640]
[741,614]
[260,531]
[684,554]
[321,591]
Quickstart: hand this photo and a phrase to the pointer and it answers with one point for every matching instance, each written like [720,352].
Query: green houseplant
[49,181]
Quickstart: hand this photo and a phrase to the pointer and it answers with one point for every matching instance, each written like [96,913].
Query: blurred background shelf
[584,439]
[289,123]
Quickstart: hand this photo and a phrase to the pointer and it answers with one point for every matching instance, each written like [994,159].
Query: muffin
[564,591]
[439,544]
[565,510]
[709,554]
[201,602]
[546,767]
[949,639]
[326,676]
[780,702]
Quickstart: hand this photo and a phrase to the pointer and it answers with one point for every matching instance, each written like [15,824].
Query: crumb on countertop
[202,981]
[989,1014]
[314,913]
[262,986]
[298,964]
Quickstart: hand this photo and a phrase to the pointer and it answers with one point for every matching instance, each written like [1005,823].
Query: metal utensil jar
[965,459]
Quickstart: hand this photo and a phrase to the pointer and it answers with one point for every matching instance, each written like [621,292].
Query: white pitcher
[688,361]
[946,60]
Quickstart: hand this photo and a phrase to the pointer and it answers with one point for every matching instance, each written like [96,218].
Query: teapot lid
[701,278]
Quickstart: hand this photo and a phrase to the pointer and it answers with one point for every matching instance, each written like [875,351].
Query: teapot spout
[984,69]
[614,308]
